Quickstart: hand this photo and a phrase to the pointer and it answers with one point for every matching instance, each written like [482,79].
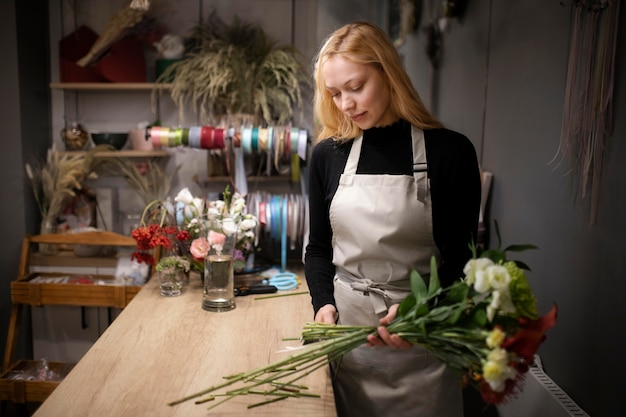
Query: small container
[74,137]
[140,140]
[171,283]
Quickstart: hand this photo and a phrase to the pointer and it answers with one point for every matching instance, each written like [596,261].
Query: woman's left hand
[384,337]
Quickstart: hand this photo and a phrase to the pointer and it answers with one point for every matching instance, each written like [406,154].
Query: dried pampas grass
[55,181]
[148,179]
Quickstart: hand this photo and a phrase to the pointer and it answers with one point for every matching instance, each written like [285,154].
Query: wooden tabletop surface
[160,349]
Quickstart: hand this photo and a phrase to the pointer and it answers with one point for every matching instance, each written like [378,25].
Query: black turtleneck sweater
[455,192]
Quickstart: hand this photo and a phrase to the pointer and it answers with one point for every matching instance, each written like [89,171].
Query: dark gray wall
[502,83]
[24,117]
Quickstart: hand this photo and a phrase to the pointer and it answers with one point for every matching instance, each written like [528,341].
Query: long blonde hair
[365,43]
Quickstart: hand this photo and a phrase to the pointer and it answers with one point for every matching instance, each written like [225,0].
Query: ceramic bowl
[117,140]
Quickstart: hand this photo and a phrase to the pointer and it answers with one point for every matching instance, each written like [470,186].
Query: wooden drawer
[23,382]
[23,291]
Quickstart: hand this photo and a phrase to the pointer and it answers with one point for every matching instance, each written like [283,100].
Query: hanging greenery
[587,111]
[236,68]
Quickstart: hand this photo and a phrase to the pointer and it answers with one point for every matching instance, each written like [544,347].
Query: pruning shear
[283,281]
[255,289]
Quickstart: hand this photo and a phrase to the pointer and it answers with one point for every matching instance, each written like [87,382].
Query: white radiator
[541,396]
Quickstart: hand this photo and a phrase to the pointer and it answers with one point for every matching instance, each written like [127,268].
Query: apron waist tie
[377,291]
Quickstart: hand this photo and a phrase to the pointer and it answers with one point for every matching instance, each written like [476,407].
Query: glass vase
[48,227]
[171,283]
[219,280]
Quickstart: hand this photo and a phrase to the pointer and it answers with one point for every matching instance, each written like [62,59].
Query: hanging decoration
[404,19]
[441,12]
[587,110]
[140,4]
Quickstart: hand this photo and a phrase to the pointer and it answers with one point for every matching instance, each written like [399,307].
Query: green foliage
[237,69]
[498,255]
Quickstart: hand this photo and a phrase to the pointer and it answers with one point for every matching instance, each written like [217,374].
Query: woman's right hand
[327,314]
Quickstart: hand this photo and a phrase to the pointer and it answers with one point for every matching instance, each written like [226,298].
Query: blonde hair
[365,43]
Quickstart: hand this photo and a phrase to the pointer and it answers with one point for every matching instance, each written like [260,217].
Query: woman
[389,189]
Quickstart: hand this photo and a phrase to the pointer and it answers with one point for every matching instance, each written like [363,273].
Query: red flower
[153,236]
[532,333]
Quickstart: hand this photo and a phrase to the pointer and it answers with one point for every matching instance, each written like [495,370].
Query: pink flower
[216,238]
[200,248]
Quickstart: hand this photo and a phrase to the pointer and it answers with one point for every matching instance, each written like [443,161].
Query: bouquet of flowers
[485,325]
[183,227]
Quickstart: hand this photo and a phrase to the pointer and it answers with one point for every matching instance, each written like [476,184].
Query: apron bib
[382,229]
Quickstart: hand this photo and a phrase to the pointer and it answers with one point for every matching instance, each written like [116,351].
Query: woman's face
[359,91]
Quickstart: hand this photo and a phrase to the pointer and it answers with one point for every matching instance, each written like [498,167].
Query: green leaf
[495,223]
[421,310]
[440,314]
[520,248]
[406,306]
[433,283]
[457,292]
[480,317]
[522,265]
[495,255]
[418,286]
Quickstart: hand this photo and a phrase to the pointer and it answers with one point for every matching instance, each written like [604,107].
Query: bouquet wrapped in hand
[486,325]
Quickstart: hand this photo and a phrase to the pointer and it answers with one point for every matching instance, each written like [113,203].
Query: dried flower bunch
[485,325]
[55,181]
[148,179]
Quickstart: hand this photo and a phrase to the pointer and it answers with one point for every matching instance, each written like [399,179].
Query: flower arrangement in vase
[186,226]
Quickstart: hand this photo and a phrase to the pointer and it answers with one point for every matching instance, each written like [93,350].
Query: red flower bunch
[156,236]
[522,345]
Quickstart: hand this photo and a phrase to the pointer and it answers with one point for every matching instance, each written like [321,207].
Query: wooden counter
[161,349]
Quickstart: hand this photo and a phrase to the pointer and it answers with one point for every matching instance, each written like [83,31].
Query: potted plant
[236,69]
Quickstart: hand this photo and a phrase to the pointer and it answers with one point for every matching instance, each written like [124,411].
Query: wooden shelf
[251,179]
[67,258]
[122,154]
[110,86]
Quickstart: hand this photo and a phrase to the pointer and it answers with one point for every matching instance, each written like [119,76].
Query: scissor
[255,289]
[283,281]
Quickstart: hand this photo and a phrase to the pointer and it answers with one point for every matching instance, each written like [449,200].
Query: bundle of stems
[278,381]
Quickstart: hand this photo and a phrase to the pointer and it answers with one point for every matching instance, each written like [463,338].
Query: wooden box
[23,383]
[23,291]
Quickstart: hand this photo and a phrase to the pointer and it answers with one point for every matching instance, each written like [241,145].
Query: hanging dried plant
[587,112]
[236,69]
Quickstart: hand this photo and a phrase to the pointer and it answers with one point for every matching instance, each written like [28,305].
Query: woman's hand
[327,314]
[386,339]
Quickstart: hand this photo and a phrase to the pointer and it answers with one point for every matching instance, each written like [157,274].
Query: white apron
[382,229]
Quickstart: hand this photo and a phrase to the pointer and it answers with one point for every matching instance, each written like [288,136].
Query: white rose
[184,196]
[481,282]
[499,277]
[474,265]
[247,224]
[229,227]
